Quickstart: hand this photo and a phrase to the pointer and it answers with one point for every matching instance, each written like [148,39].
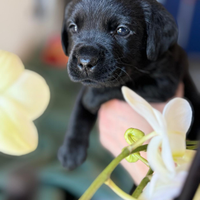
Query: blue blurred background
[187,15]
[31,29]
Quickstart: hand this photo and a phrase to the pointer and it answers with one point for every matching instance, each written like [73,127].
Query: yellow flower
[24,96]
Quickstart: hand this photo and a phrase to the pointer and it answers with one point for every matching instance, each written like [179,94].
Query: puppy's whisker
[120,58]
[139,70]
[119,77]
[123,70]
[115,76]
[142,71]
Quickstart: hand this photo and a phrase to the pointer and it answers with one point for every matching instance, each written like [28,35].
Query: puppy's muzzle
[87,58]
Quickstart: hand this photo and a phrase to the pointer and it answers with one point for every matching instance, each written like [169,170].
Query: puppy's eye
[73,28]
[123,31]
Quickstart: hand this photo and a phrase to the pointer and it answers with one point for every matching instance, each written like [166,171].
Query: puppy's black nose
[87,62]
[87,57]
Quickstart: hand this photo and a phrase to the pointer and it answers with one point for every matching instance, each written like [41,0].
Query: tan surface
[21,31]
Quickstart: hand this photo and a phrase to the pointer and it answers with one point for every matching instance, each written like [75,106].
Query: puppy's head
[108,41]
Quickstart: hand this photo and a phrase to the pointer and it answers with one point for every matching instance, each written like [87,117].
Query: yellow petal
[30,94]
[142,107]
[178,115]
[10,69]
[18,135]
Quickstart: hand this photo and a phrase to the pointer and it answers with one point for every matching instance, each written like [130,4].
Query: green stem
[150,172]
[188,142]
[192,147]
[141,148]
[105,175]
[141,141]
[142,159]
[118,191]
[142,185]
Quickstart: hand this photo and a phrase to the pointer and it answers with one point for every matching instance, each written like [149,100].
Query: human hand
[115,117]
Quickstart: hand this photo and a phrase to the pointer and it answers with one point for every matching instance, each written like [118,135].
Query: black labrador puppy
[111,43]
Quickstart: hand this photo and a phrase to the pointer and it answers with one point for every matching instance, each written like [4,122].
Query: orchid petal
[197,195]
[178,115]
[161,121]
[18,135]
[177,144]
[186,158]
[167,154]
[10,69]
[143,108]
[154,156]
[165,190]
[151,187]
[30,94]
[184,167]
[170,190]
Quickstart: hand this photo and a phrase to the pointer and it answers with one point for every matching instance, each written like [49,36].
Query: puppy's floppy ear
[162,30]
[64,38]
[64,34]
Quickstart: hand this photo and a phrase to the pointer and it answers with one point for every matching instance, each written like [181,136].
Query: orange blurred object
[53,53]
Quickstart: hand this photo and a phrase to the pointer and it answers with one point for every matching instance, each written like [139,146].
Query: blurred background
[31,29]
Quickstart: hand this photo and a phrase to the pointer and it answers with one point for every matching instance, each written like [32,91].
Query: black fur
[147,60]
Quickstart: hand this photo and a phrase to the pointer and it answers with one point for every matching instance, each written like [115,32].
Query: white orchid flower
[167,189]
[166,153]
[24,96]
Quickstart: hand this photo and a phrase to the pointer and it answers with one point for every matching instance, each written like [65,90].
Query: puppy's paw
[73,153]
